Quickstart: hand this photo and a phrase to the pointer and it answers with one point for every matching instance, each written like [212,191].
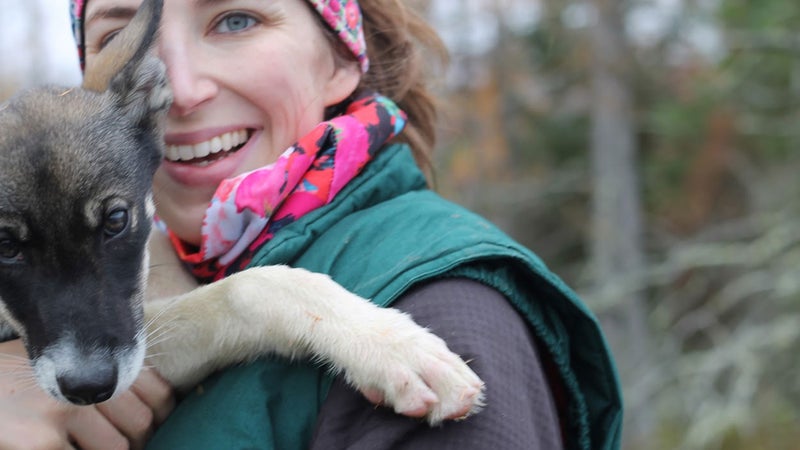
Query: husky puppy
[76,167]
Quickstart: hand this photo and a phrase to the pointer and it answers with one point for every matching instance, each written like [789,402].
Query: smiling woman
[221,91]
[300,134]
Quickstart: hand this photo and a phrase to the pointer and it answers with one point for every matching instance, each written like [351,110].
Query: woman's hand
[32,419]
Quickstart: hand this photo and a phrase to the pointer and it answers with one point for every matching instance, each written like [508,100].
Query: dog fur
[76,168]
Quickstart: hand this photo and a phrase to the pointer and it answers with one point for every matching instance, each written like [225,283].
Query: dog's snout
[82,375]
[90,385]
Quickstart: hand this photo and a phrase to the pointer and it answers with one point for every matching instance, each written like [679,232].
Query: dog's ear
[127,69]
[142,92]
[128,47]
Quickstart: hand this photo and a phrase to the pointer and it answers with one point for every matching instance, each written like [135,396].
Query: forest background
[647,150]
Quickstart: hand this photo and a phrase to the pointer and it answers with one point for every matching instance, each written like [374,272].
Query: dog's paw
[411,370]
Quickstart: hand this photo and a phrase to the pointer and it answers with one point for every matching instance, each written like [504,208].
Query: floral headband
[343,16]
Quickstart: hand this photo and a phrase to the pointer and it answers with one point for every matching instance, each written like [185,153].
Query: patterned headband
[343,16]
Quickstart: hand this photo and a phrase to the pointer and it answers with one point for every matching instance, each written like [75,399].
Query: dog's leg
[296,313]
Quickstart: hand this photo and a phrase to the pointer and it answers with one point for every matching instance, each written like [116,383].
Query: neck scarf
[246,211]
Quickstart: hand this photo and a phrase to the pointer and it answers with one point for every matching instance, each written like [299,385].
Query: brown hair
[398,41]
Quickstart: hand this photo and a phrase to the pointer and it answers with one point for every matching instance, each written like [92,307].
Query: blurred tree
[36,45]
[704,111]
[616,238]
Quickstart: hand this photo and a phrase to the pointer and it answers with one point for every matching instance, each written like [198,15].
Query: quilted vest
[383,234]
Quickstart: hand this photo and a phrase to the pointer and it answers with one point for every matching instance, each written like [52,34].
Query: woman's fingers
[156,393]
[137,412]
[132,417]
[88,429]
[30,418]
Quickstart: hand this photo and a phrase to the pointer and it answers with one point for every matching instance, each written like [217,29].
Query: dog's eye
[10,251]
[115,223]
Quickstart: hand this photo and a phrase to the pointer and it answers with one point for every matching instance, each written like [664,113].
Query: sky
[18,39]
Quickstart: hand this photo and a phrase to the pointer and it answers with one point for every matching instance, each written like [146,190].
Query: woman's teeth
[199,151]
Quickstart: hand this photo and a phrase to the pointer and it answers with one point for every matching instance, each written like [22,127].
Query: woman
[339,85]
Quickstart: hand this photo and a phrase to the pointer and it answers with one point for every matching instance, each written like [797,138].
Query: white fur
[299,314]
[8,326]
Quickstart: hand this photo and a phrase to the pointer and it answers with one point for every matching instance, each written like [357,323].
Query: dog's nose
[91,385]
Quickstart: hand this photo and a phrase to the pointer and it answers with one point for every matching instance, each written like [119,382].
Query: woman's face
[249,78]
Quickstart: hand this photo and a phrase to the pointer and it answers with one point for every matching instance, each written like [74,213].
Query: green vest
[384,233]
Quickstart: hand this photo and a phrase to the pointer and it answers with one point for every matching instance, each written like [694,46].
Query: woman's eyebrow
[114,12]
[211,2]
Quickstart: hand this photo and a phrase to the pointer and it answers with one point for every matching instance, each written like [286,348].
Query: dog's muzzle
[86,376]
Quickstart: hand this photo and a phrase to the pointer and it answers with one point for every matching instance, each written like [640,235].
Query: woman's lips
[207,150]
[187,163]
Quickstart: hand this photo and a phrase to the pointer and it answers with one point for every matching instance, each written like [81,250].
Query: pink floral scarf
[248,210]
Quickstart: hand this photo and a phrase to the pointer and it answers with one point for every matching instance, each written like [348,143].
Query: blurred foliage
[718,161]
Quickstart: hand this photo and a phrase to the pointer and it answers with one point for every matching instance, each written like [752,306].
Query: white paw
[412,370]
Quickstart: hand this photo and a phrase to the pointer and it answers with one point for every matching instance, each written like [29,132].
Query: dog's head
[76,167]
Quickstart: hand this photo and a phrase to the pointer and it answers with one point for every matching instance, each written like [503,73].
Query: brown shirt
[479,324]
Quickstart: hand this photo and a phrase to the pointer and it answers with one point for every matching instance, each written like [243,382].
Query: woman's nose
[191,86]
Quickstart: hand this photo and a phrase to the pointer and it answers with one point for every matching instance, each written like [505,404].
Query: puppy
[76,168]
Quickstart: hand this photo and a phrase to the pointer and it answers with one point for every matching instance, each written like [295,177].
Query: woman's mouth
[207,152]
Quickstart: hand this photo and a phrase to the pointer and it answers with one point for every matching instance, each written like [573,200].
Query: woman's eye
[235,22]
[108,38]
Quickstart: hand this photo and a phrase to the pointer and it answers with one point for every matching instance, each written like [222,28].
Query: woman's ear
[343,82]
